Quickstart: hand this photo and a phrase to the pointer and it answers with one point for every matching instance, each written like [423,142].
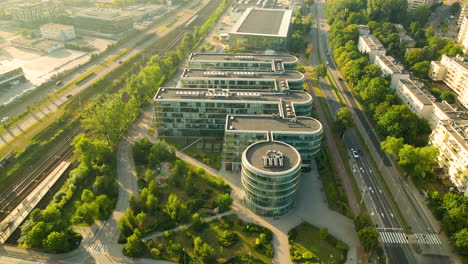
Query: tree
[37,234]
[324,233]
[57,241]
[369,237]
[362,220]
[460,240]
[392,145]
[175,208]
[90,151]
[421,69]
[421,14]
[320,71]
[140,219]
[134,247]
[429,32]
[198,222]
[455,8]
[448,96]
[24,32]
[344,119]
[224,202]
[418,160]
[203,251]
[228,238]
[87,196]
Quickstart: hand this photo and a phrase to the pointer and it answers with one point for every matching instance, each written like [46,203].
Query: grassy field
[306,238]
[210,234]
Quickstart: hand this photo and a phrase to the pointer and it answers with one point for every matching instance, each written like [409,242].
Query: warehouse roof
[253,22]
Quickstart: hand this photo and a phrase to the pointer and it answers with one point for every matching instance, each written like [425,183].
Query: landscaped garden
[206,150]
[224,240]
[310,244]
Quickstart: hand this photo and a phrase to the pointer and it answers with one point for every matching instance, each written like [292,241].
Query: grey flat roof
[462,62]
[260,21]
[391,63]
[257,150]
[241,74]
[419,90]
[201,94]
[306,125]
[458,129]
[241,57]
[372,42]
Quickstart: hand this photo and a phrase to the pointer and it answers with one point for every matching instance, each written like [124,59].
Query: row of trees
[302,26]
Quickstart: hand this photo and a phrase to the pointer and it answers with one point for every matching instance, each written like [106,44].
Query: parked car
[5,119]
[69,96]
[58,83]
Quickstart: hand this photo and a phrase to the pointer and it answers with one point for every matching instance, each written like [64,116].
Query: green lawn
[306,238]
[237,253]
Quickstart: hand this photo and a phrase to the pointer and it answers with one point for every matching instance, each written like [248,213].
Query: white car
[5,119]
[354,153]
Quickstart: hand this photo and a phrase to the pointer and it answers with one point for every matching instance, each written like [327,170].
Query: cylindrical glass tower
[270,175]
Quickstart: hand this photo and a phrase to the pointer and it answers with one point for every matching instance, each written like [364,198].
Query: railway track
[63,151]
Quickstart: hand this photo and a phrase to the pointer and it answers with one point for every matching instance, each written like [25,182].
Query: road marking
[396,237]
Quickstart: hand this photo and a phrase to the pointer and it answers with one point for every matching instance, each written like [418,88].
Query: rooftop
[418,89]
[241,57]
[253,22]
[255,154]
[56,26]
[460,60]
[238,74]
[450,111]
[372,42]
[391,63]
[302,124]
[231,95]
[102,13]
[458,128]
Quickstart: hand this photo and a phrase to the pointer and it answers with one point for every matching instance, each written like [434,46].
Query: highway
[395,240]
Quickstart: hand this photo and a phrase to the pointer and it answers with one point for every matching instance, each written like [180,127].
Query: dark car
[69,96]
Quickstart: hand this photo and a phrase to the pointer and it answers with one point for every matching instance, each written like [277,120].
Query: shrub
[228,238]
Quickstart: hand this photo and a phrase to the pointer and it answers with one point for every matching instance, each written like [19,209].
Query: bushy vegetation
[368,235]
[312,245]
[225,240]
[301,24]
[452,210]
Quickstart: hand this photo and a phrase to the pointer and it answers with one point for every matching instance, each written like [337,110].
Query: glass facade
[269,193]
[257,42]
[232,83]
[240,65]
[203,118]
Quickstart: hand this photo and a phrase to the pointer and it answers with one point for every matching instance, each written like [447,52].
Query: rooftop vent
[273,159]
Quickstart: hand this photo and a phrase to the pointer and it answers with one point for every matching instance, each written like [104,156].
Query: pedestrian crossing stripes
[402,238]
[393,237]
[432,239]
[98,248]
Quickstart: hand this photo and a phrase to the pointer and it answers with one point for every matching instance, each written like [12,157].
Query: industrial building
[270,177]
[257,62]
[391,67]
[252,33]
[58,32]
[242,79]
[202,112]
[453,71]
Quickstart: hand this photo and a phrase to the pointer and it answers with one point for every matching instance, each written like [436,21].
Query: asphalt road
[394,239]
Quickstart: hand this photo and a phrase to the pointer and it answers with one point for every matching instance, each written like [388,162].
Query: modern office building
[242,79]
[202,112]
[258,62]
[103,20]
[252,33]
[463,34]
[37,12]
[270,177]
[391,67]
[301,132]
[58,32]
[453,71]
[371,45]
[416,96]
[451,137]
[8,75]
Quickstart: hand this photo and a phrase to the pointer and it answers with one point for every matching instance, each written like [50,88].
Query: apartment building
[371,45]
[58,32]
[258,62]
[270,177]
[363,30]
[242,79]
[463,34]
[202,112]
[463,12]
[453,71]
[391,67]
[451,137]
[416,96]
[251,32]
[413,4]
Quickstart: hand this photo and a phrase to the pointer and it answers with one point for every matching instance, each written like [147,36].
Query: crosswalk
[98,248]
[389,237]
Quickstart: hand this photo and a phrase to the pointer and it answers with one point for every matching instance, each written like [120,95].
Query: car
[120,62]
[5,119]
[354,153]
[69,96]
[58,83]
[328,63]
[339,78]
